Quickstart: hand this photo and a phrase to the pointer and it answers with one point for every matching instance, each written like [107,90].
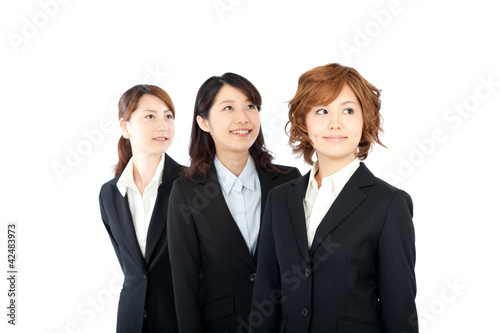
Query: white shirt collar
[337,180]
[248,176]
[126,179]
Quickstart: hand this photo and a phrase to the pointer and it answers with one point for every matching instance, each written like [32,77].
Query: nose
[162,125]
[334,122]
[241,116]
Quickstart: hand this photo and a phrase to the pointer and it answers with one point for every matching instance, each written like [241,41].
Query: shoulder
[287,172]
[385,192]
[286,168]
[295,184]
[172,168]
[182,181]
[186,185]
[108,187]
[390,190]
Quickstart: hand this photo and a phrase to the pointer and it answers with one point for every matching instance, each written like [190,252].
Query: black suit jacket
[148,282]
[358,275]
[213,270]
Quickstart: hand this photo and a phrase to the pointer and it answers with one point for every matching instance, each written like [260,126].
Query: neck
[144,169]
[328,166]
[234,161]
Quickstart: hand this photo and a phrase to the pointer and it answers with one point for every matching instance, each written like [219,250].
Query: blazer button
[305,312]
[252,276]
[307,272]
[144,276]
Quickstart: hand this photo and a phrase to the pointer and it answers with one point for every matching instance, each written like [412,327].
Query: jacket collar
[348,199]
[126,179]
[224,224]
[171,170]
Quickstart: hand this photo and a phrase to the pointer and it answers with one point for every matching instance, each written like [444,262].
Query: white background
[65,64]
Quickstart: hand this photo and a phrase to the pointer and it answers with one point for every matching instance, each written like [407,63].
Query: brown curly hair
[320,86]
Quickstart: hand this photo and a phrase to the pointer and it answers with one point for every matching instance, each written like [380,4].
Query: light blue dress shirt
[243,198]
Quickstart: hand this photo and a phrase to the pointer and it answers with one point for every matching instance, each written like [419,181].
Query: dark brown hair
[126,106]
[320,86]
[202,147]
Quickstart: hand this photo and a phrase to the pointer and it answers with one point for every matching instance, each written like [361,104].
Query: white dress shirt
[141,207]
[243,197]
[317,202]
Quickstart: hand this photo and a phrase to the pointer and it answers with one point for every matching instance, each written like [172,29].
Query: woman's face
[150,128]
[335,129]
[233,121]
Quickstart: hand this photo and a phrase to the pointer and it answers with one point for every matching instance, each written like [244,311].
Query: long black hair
[202,147]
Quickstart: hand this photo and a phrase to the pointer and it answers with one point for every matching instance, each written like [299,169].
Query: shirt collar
[248,176]
[126,179]
[338,179]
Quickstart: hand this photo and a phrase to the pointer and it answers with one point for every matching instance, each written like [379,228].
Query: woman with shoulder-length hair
[216,208]
[337,246]
[134,209]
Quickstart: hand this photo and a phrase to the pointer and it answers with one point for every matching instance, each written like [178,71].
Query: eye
[251,106]
[169,116]
[321,111]
[348,111]
[149,116]
[228,108]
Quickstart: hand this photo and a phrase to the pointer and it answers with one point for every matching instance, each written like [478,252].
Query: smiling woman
[335,131]
[350,233]
[216,209]
[134,208]
[233,122]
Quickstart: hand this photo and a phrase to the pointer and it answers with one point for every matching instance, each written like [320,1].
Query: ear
[124,128]
[203,124]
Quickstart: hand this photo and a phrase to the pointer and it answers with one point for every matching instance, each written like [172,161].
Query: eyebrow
[232,101]
[148,110]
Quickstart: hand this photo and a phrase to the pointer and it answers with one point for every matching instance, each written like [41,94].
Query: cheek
[360,127]
[256,118]
[356,126]
[217,122]
[171,128]
[311,128]
[256,127]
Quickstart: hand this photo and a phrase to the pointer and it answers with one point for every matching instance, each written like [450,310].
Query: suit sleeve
[184,254]
[266,302]
[104,217]
[396,271]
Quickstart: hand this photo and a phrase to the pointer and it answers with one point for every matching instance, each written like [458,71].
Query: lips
[335,138]
[161,138]
[242,131]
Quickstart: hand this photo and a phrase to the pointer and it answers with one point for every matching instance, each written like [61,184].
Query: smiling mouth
[240,132]
[335,138]
[161,139]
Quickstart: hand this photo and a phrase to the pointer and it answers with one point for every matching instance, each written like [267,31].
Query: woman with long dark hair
[216,208]
[134,209]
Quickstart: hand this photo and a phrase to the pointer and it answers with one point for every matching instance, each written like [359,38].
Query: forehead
[326,94]
[346,94]
[151,102]
[229,93]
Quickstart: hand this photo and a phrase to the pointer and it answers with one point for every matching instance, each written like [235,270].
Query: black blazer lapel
[127,227]
[158,221]
[348,199]
[222,221]
[295,201]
